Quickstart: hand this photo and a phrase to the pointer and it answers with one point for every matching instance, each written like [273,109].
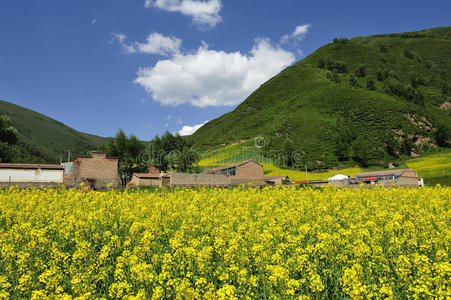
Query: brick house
[149,179]
[96,170]
[247,169]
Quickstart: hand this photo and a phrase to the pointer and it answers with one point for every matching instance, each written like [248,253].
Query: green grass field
[434,167]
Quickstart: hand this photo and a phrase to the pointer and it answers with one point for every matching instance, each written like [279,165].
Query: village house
[96,171]
[247,169]
[402,177]
[277,180]
[27,175]
[149,179]
[152,178]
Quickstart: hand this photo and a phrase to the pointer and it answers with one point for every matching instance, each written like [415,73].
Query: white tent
[338,177]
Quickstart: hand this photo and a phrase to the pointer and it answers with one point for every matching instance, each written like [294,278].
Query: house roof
[31,166]
[235,165]
[276,177]
[383,172]
[147,175]
[96,153]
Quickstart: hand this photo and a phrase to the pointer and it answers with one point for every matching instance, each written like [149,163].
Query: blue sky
[148,66]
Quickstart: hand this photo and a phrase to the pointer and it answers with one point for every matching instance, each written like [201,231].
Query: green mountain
[42,139]
[368,100]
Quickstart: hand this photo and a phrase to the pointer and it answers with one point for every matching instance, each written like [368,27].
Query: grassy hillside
[42,139]
[367,101]
[434,167]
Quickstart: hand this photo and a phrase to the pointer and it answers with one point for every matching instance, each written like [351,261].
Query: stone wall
[407,181]
[30,184]
[180,179]
[236,182]
[156,182]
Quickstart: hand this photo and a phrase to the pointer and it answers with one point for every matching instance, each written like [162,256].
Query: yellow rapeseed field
[271,243]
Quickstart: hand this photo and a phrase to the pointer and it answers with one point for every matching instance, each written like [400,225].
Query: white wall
[31,175]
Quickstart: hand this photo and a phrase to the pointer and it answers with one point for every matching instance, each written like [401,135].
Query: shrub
[360,71]
[353,81]
[341,40]
[336,65]
[394,87]
[370,84]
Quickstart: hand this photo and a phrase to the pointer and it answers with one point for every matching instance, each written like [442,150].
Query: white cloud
[93,21]
[120,39]
[159,44]
[298,33]
[213,78]
[189,130]
[203,13]
[156,43]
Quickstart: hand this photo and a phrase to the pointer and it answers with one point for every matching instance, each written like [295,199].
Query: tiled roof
[275,177]
[234,165]
[385,172]
[147,175]
[31,166]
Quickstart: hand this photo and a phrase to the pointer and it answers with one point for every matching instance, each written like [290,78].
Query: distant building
[338,177]
[26,175]
[277,180]
[96,171]
[149,179]
[402,177]
[247,169]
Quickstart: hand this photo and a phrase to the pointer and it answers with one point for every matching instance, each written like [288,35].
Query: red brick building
[96,170]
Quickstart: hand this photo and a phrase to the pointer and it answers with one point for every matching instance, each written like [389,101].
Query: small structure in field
[96,171]
[150,179]
[402,178]
[27,175]
[277,180]
[338,177]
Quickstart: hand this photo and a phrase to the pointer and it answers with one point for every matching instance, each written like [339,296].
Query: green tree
[343,140]
[360,71]
[445,89]
[353,81]
[172,153]
[288,148]
[128,150]
[8,137]
[442,134]
[370,84]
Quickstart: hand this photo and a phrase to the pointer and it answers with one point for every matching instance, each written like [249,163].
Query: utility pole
[306,173]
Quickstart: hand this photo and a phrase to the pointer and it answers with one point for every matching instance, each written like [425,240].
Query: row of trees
[168,153]
[8,137]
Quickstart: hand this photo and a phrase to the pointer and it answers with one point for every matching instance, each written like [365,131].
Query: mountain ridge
[369,100]
[34,130]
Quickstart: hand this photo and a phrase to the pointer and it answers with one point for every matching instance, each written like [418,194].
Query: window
[229,172]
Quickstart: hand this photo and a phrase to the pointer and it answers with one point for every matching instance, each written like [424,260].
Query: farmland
[225,244]
[435,167]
